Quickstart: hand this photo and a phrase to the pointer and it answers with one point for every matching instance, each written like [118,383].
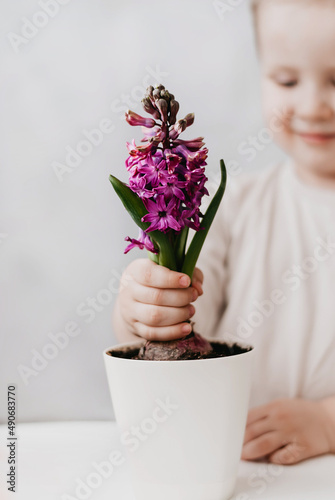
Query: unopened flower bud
[174,108]
[150,108]
[189,119]
[165,95]
[162,105]
[149,94]
[156,94]
[180,126]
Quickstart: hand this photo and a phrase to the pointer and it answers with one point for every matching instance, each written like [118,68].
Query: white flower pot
[182,423]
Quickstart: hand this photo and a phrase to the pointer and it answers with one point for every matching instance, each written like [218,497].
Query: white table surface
[53,456]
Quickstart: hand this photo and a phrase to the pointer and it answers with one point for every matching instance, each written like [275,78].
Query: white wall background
[62,243]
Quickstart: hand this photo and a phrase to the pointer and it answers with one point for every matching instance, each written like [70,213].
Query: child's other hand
[287,431]
[155,302]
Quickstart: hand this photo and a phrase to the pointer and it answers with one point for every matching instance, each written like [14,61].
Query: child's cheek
[277,112]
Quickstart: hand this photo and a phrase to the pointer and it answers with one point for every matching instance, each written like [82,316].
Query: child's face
[297,56]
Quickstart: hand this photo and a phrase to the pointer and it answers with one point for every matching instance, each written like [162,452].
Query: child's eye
[290,83]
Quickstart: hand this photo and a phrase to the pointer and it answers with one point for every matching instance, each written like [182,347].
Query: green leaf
[135,207]
[132,203]
[198,240]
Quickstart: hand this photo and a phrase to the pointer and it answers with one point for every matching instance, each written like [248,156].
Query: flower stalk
[166,184]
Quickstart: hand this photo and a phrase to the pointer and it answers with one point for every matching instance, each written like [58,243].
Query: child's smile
[320,139]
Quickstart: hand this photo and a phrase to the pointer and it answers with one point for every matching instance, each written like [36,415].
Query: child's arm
[287,431]
[328,405]
[154,302]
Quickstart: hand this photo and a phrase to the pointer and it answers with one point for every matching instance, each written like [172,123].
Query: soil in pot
[157,351]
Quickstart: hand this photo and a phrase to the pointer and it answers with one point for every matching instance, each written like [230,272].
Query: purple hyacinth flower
[143,241]
[140,151]
[135,120]
[139,186]
[135,154]
[195,192]
[193,158]
[161,216]
[172,160]
[154,169]
[192,145]
[148,133]
[171,186]
[191,176]
[188,215]
[166,172]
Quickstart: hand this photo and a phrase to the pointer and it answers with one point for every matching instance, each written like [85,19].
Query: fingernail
[195,294]
[186,328]
[184,281]
[191,310]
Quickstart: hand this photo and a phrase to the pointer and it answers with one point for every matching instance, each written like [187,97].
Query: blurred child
[269,260]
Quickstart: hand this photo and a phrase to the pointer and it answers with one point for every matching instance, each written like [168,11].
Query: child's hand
[155,302]
[287,431]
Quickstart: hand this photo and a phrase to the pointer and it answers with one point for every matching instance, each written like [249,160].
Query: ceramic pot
[182,423]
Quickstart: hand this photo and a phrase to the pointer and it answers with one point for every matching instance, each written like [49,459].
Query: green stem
[180,246]
[166,255]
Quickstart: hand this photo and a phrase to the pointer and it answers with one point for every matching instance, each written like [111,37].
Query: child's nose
[315,106]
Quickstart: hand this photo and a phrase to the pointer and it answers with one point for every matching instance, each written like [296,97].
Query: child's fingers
[262,446]
[290,454]
[197,280]
[149,273]
[157,316]
[163,333]
[198,275]
[257,429]
[163,297]
[257,413]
